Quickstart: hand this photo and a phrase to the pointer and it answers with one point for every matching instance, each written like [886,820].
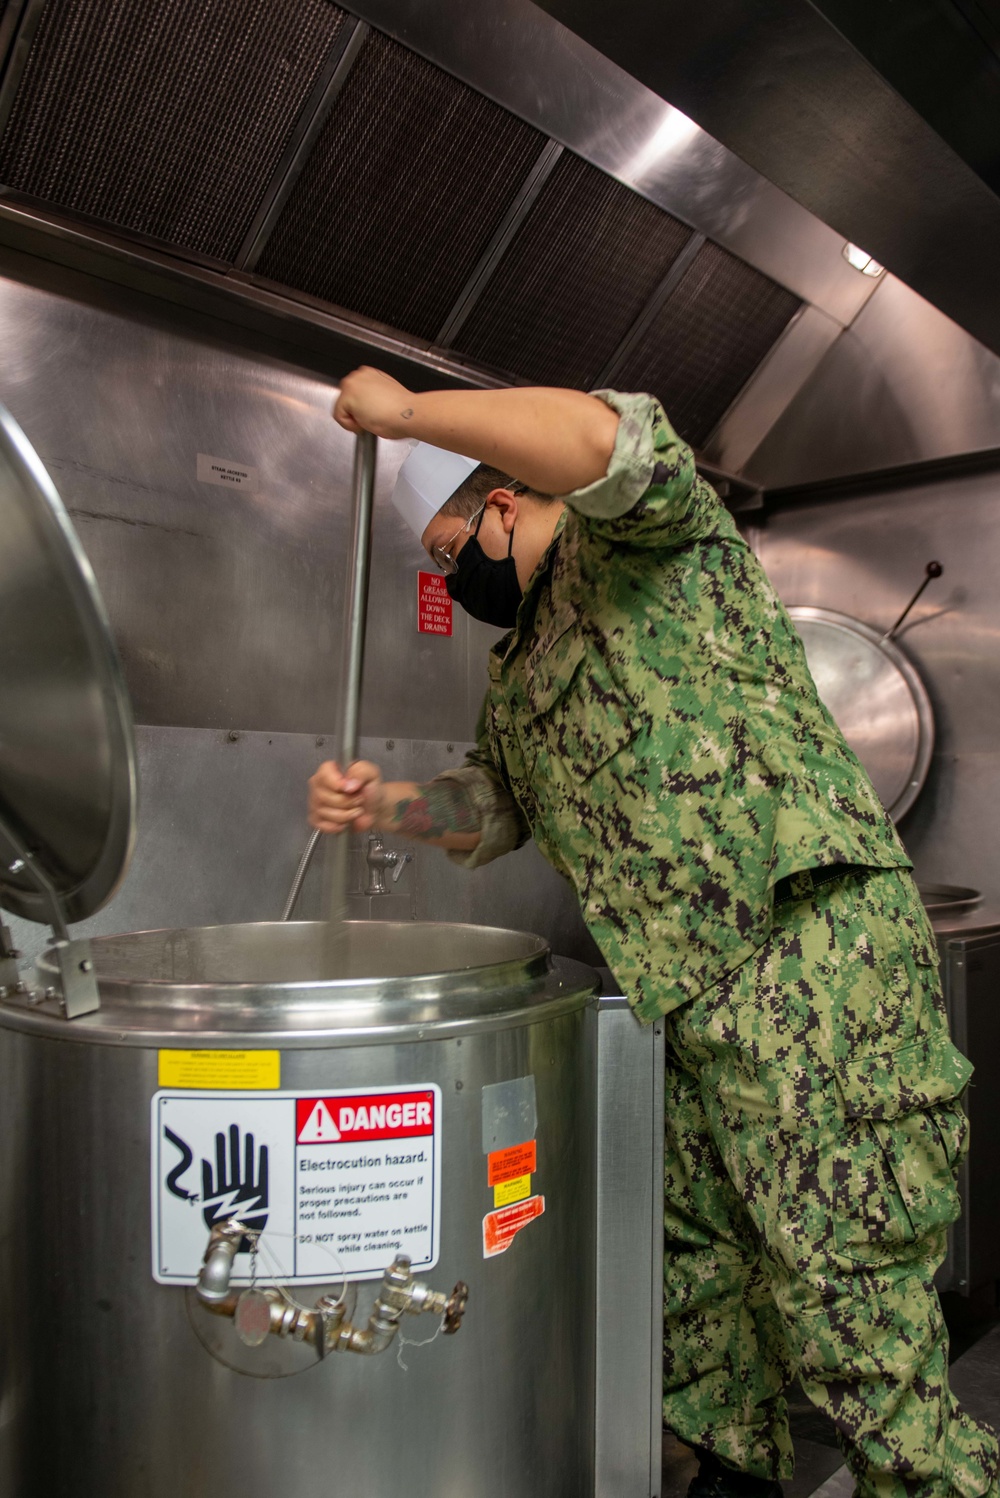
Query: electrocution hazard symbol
[337,1184]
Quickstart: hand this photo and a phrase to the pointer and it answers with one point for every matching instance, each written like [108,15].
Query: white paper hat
[428,477]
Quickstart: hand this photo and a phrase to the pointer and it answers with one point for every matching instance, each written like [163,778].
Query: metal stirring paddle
[355,615]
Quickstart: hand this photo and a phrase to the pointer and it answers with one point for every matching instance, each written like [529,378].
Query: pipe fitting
[217,1269]
[400,1294]
[325,1327]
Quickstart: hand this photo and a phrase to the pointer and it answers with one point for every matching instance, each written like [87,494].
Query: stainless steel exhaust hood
[474,187]
[884,120]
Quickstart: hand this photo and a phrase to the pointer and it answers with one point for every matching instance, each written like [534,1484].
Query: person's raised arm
[554,441]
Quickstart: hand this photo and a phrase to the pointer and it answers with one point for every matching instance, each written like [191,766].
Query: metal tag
[252,1318]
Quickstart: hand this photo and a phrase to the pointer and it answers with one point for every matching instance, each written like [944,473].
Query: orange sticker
[507,1165]
[500,1228]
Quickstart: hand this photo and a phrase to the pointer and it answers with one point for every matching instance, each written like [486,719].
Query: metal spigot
[217,1268]
[379,858]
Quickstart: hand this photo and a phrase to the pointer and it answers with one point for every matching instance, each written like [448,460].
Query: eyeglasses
[441,555]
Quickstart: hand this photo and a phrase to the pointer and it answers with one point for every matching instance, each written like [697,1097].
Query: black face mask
[485,588]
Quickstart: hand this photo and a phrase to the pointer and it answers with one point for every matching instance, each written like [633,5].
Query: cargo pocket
[903,942]
[904,1135]
[906,997]
[581,717]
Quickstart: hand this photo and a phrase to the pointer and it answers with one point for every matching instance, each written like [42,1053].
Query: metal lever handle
[933,570]
[379,859]
[455,1309]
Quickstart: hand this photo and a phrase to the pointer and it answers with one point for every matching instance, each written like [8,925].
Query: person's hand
[370,401]
[339,802]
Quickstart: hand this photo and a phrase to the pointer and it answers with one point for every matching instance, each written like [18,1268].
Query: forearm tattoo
[440,807]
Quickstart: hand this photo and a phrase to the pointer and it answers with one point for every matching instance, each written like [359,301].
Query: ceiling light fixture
[862,261]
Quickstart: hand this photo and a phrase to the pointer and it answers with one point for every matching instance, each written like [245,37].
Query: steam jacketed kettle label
[337,1183]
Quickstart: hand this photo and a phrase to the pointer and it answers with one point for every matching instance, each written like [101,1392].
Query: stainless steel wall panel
[224,603]
[864,556]
[903,383]
[222,823]
[707,339]
[104,269]
[409,180]
[532,65]
[589,256]
[167,120]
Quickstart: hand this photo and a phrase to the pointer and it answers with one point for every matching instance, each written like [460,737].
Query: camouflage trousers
[812,1133]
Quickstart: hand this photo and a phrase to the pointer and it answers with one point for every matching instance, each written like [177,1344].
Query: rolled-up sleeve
[503,825]
[651,494]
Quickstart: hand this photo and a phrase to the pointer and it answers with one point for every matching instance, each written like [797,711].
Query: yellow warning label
[511,1191]
[236,1071]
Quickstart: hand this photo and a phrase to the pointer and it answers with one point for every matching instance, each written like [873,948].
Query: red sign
[500,1228]
[382,1115]
[511,1164]
[433,604]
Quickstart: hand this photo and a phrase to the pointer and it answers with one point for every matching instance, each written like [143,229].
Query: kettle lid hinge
[73,957]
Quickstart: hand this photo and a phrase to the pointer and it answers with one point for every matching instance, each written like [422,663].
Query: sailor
[652,724]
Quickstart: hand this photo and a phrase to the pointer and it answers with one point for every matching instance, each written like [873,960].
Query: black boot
[717,1480]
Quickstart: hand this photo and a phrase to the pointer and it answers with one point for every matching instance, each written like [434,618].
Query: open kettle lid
[876,697]
[67,746]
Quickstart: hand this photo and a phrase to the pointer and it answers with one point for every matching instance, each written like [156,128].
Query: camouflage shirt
[652,724]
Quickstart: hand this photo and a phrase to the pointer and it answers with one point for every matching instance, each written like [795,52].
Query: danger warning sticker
[500,1228]
[337,1184]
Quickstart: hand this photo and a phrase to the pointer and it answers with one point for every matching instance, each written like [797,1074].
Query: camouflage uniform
[652,723]
[813,1130]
